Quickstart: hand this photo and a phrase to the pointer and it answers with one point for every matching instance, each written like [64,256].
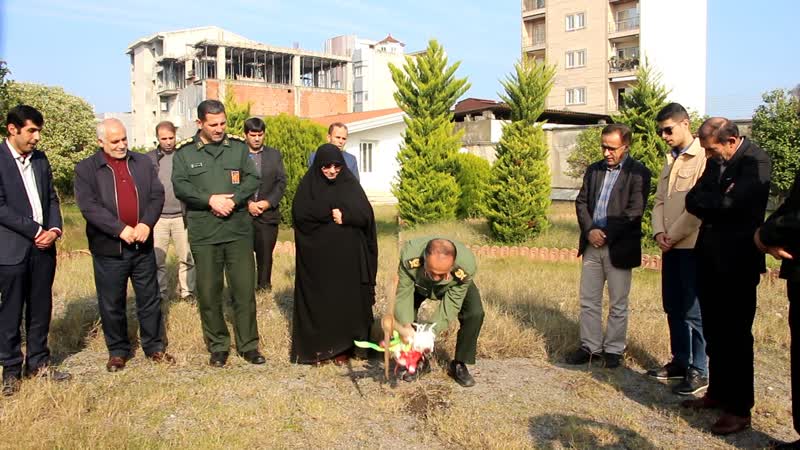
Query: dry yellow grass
[525,398]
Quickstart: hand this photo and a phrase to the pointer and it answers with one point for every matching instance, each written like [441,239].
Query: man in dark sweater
[263,206]
[120,197]
[171,224]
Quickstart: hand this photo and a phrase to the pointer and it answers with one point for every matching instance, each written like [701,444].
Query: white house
[374,139]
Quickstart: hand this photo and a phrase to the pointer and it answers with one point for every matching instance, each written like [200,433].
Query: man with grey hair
[172,223]
[120,196]
[730,199]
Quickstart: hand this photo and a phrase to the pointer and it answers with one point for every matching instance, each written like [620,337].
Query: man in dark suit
[609,206]
[780,237]
[30,223]
[730,198]
[263,206]
[121,198]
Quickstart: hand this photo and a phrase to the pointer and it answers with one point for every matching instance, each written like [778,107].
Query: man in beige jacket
[675,231]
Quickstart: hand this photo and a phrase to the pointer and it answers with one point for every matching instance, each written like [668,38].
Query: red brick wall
[273,100]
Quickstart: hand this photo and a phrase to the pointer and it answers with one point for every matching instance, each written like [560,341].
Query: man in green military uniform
[443,270]
[213,175]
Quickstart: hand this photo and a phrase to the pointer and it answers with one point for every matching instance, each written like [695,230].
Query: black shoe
[218,359]
[11,383]
[459,372]
[785,445]
[581,355]
[670,371]
[48,373]
[612,360]
[253,357]
[692,383]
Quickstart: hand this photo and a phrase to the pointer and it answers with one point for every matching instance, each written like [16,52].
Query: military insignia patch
[413,263]
[235,178]
[238,138]
[195,165]
[460,275]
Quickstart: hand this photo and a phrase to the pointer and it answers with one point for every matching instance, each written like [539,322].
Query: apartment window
[357,70]
[576,21]
[366,156]
[358,97]
[576,58]
[627,19]
[576,96]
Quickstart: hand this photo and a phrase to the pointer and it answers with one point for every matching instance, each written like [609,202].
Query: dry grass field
[525,396]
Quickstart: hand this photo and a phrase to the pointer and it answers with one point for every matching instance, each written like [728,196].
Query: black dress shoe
[612,360]
[459,372]
[218,359]
[253,357]
[582,355]
[670,371]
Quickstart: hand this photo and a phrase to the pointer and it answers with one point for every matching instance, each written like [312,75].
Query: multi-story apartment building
[373,88]
[597,46]
[173,71]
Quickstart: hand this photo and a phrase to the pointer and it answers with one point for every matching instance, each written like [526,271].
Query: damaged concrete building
[172,72]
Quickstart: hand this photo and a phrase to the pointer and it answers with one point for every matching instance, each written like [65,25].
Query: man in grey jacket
[171,224]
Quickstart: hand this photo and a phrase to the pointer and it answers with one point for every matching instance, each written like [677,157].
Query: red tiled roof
[390,39]
[472,104]
[354,117]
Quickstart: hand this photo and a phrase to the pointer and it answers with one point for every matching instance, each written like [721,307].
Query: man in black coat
[264,206]
[120,196]
[609,206]
[730,198]
[30,223]
[780,237]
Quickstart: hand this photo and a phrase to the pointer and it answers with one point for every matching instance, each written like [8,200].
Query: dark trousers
[26,286]
[679,296]
[265,235]
[234,260]
[793,289]
[111,276]
[728,306]
[470,319]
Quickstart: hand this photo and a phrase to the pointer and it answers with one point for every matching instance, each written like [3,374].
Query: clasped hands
[45,239]
[222,205]
[132,235]
[597,238]
[257,208]
[337,215]
[664,242]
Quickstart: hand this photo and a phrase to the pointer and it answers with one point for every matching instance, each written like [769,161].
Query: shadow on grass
[71,332]
[551,431]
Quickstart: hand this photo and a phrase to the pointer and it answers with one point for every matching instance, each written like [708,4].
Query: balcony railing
[530,5]
[616,64]
[631,23]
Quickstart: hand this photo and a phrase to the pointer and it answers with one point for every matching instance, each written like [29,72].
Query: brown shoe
[161,358]
[704,402]
[729,423]
[341,360]
[115,363]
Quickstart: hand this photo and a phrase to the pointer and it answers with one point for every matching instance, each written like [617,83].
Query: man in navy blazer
[609,206]
[30,223]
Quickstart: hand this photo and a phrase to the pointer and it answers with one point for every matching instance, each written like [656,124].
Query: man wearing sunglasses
[675,231]
[443,270]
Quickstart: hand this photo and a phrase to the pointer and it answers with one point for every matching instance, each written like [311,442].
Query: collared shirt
[256,158]
[600,218]
[677,153]
[29,180]
[724,163]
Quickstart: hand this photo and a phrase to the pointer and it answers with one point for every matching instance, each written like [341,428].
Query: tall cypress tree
[519,195]
[427,89]
[639,110]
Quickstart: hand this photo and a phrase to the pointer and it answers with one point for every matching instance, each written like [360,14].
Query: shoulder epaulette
[413,263]
[183,142]
[236,137]
[460,275]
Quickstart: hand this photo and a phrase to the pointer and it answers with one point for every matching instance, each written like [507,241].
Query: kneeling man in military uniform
[443,270]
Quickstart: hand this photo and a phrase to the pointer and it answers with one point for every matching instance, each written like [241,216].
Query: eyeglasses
[334,166]
[611,149]
[667,130]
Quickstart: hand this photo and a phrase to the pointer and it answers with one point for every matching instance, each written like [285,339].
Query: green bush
[586,152]
[472,176]
[69,132]
[295,138]
[235,113]
[776,128]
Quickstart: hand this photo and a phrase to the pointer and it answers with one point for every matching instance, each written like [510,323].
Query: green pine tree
[427,89]
[519,193]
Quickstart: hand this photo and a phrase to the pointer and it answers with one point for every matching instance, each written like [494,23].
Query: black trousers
[265,235]
[111,276]
[728,307]
[793,289]
[470,319]
[27,286]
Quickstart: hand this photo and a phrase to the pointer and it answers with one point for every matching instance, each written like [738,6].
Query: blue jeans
[679,294]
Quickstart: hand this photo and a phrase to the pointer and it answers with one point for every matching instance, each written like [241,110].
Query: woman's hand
[337,215]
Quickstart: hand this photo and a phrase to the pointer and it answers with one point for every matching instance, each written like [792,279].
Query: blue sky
[80,44]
